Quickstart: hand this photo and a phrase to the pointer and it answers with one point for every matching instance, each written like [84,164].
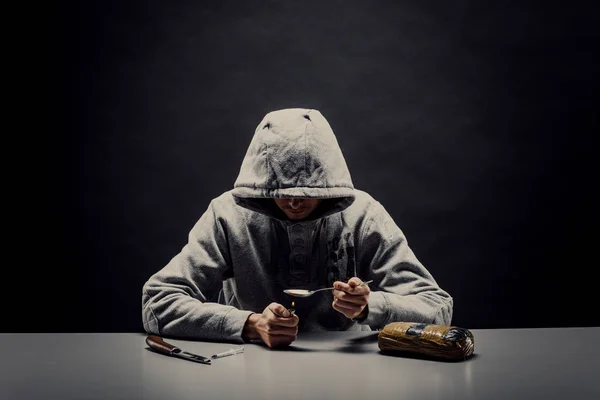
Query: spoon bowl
[306,292]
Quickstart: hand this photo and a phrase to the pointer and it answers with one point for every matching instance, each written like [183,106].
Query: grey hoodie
[243,251]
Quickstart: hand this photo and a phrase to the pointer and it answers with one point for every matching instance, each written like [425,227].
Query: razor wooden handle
[158,344]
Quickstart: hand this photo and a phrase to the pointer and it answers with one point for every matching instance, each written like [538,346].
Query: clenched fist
[276,327]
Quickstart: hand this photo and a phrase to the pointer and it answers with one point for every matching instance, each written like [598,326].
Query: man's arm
[402,289]
[174,299]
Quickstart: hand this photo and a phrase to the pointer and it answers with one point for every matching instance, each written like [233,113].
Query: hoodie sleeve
[175,299]
[403,289]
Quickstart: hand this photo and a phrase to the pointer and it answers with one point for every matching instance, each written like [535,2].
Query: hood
[294,153]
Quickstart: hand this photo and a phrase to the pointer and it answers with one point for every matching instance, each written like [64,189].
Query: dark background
[472,122]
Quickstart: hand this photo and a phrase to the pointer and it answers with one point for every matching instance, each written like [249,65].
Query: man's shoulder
[224,204]
[224,198]
[363,207]
[363,202]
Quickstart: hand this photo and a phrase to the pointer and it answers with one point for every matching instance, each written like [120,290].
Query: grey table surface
[549,363]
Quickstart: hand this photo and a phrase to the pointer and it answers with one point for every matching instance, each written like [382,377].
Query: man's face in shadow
[297,208]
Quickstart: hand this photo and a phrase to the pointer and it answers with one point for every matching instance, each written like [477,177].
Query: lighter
[292,310]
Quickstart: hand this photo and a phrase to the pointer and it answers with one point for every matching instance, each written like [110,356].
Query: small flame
[292,304]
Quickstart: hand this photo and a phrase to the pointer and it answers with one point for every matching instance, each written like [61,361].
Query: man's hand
[276,327]
[349,298]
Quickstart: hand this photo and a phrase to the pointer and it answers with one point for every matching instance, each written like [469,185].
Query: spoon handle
[325,288]
[328,288]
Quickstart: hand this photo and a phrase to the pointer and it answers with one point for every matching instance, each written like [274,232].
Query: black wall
[474,123]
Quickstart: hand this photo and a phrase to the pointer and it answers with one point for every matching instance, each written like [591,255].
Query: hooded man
[292,220]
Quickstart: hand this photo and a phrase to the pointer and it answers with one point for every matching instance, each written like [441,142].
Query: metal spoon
[306,292]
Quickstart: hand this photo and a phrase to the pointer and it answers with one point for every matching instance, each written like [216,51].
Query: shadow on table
[363,344]
[424,357]
[292,349]
[370,338]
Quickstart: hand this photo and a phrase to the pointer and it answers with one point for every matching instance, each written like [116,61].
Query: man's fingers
[279,310]
[350,312]
[354,282]
[275,330]
[287,322]
[352,287]
[350,298]
[345,305]
[341,286]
